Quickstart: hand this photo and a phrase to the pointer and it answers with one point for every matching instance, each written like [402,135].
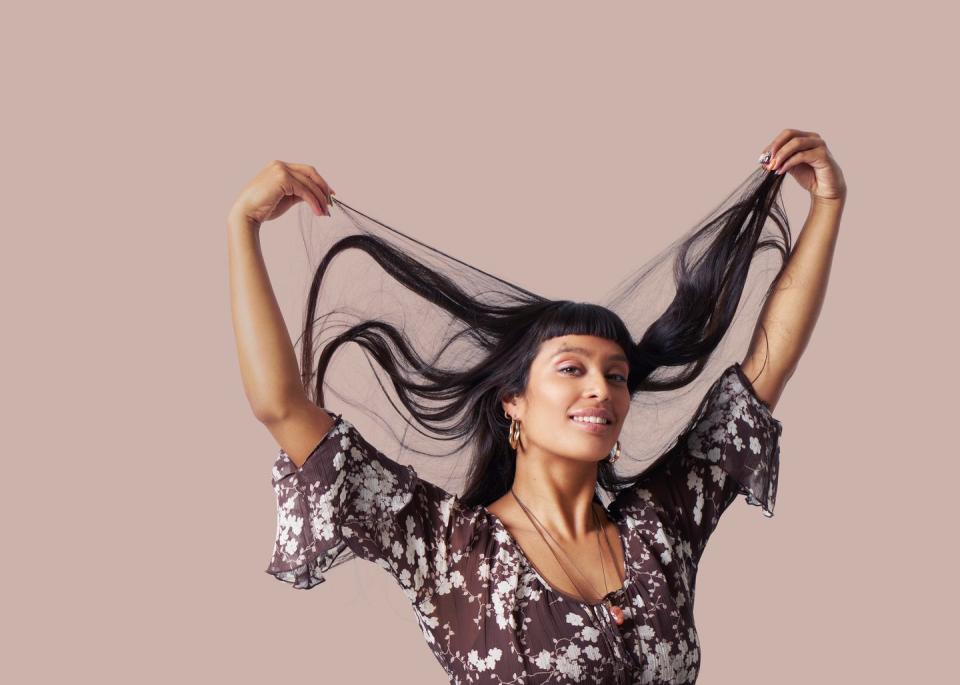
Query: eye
[574,368]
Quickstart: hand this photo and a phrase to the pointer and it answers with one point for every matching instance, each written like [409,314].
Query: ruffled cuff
[342,503]
[738,435]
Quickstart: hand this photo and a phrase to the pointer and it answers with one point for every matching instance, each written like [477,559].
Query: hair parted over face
[569,373]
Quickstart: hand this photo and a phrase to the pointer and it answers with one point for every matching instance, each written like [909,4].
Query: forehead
[589,346]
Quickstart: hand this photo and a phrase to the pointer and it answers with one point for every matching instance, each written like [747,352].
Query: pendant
[616,612]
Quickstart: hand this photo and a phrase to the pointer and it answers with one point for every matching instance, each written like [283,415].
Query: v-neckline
[618,522]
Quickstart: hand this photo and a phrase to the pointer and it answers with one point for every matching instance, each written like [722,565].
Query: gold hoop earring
[514,433]
[614,453]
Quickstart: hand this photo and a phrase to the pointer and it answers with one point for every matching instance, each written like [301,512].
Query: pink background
[558,144]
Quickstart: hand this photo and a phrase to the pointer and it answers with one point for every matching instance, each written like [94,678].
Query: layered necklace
[615,611]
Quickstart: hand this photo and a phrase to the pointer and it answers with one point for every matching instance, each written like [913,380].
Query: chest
[589,569]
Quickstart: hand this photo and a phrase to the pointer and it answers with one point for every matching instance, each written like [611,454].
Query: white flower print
[487,663]
[665,556]
[590,634]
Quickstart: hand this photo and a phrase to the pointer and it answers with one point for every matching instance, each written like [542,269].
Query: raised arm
[791,311]
[268,363]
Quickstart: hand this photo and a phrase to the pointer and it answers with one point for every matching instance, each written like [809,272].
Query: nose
[600,388]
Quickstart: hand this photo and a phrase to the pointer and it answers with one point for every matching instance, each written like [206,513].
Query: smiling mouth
[590,426]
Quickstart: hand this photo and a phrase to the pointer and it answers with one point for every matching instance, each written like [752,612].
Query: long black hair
[495,329]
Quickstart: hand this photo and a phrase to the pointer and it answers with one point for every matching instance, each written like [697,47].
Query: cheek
[555,396]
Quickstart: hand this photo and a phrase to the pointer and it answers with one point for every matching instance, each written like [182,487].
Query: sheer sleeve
[348,500]
[731,448]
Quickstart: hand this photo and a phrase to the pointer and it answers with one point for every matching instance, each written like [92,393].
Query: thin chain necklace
[615,611]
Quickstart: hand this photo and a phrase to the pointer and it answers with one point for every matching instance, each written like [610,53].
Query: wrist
[837,202]
[238,221]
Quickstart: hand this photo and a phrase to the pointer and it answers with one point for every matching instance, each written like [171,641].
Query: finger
[777,144]
[315,191]
[791,148]
[315,176]
[318,189]
[299,187]
[804,157]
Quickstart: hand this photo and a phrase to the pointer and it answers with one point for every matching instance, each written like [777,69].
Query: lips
[602,412]
[591,427]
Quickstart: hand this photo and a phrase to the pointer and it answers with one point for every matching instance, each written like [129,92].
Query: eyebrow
[588,353]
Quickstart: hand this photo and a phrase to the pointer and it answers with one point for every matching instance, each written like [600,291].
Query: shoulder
[506,511]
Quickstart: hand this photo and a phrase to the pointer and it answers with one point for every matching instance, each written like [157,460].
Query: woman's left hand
[805,155]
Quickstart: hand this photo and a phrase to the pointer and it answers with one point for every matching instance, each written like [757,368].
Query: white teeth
[590,419]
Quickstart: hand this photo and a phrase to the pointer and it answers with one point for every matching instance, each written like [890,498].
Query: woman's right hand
[279,186]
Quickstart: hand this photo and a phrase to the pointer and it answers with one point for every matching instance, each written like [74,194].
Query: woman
[527,576]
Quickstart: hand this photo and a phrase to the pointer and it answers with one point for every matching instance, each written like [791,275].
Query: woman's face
[572,373]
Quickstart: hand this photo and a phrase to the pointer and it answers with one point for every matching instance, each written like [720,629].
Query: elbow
[275,411]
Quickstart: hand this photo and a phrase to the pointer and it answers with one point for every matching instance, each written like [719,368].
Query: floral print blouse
[485,612]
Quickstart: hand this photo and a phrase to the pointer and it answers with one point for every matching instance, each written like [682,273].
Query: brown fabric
[485,612]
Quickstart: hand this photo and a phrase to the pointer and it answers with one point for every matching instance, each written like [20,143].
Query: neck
[559,493]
